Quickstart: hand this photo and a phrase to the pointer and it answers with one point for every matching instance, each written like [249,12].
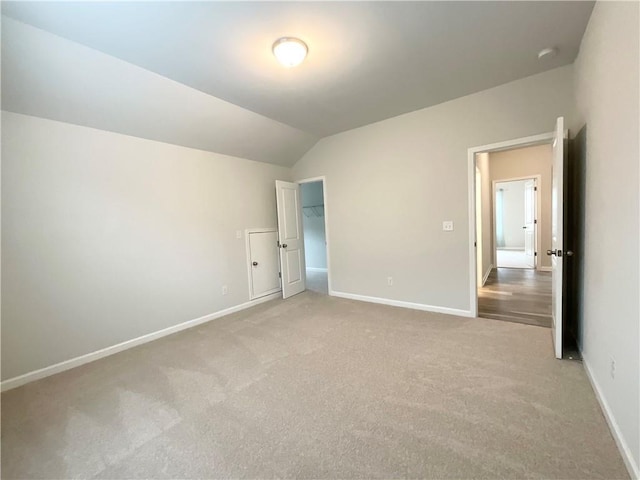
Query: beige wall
[107,237]
[391,184]
[486,255]
[524,162]
[607,101]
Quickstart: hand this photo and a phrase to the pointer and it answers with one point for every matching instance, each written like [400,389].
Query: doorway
[312,195]
[512,226]
[515,222]
[305,262]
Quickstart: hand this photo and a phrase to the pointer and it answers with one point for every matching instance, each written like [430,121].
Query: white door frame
[537,227]
[530,141]
[479,230]
[325,197]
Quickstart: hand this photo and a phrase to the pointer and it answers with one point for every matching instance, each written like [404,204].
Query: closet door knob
[255,264]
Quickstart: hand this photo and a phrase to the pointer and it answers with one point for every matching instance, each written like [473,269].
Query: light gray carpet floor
[317,387]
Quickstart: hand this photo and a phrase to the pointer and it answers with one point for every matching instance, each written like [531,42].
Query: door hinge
[475,244]
[279,274]
[535,254]
[535,189]
[535,221]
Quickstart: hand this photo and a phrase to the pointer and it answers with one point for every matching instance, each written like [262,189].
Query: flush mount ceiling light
[290,51]
[547,53]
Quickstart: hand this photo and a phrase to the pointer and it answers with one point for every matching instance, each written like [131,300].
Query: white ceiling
[367,60]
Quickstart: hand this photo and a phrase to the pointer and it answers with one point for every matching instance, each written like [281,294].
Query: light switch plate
[447,225]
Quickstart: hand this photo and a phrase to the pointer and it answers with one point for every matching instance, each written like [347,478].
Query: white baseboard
[625,451]
[315,269]
[400,303]
[105,352]
[545,269]
[486,275]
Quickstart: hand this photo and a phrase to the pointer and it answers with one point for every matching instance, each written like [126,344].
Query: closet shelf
[313,211]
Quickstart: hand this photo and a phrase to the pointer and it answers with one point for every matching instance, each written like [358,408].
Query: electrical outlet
[447,225]
[225,290]
[612,367]
[389,281]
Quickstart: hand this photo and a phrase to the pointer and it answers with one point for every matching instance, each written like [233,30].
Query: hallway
[514,259]
[317,281]
[517,295]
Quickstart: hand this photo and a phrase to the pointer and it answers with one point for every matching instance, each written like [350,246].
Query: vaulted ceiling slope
[367,61]
[50,77]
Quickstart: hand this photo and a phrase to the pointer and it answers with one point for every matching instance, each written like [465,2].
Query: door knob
[255,264]
[557,253]
[284,245]
[569,253]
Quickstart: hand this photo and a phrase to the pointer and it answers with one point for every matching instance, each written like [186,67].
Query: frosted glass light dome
[290,51]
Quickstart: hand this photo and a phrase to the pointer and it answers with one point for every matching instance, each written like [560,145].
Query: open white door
[557,247]
[530,222]
[290,240]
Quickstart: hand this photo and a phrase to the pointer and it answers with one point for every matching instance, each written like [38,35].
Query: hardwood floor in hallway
[517,295]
